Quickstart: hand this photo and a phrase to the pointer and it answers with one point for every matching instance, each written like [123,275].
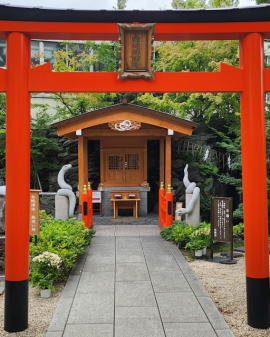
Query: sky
[101,4]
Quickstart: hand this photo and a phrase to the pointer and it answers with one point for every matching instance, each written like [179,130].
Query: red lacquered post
[255,181]
[160,203]
[168,207]
[90,205]
[84,200]
[17,183]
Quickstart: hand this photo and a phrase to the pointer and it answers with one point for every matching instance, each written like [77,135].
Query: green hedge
[67,239]
[187,236]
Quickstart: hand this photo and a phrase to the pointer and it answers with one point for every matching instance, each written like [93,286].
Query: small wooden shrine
[123,131]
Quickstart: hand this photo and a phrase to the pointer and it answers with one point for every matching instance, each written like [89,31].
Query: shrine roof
[125,111]
[39,14]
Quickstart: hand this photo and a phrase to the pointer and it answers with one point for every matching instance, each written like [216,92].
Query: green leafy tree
[185,4]
[45,144]
[195,56]
[45,147]
[178,4]
[102,56]
[121,4]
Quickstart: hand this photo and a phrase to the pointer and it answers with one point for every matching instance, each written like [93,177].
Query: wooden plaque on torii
[136,50]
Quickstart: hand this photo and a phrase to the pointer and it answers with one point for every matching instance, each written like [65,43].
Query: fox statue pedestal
[193,218]
[61,207]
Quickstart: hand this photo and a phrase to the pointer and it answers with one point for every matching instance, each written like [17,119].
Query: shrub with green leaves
[66,238]
[195,244]
[181,233]
[238,231]
[187,236]
[202,233]
[166,233]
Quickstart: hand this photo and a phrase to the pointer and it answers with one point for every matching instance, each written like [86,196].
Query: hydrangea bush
[59,245]
[45,270]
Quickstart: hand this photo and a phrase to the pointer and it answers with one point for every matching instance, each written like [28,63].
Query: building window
[115,162]
[132,162]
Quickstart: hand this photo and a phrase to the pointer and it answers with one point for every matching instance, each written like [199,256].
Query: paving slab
[101,258]
[93,266]
[109,248]
[214,316]
[134,294]
[161,262]
[89,330]
[224,333]
[129,256]
[131,272]
[169,281]
[92,308]
[180,308]
[96,282]
[138,322]
[128,243]
[61,314]
[71,286]
[189,330]
[196,285]
[54,334]
[78,268]
[132,283]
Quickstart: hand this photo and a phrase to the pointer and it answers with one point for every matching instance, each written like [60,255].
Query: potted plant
[181,233]
[196,245]
[202,234]
[45,270]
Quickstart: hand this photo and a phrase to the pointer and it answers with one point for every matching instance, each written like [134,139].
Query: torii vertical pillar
[255,181]
[17,182]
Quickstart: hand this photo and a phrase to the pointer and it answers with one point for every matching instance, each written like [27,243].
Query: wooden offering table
[125,200]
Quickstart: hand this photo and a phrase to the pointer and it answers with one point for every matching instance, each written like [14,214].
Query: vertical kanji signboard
[34,212]
[221,219]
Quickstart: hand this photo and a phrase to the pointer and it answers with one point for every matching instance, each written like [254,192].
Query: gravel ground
[40,314]
[226,286]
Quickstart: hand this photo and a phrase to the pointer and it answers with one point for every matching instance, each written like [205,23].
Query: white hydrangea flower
[50,258]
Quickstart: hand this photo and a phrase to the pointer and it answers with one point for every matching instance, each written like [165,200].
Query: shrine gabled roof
[243,14]
[125,111]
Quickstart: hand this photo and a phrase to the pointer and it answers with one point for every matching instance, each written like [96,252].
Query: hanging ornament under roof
[124,125]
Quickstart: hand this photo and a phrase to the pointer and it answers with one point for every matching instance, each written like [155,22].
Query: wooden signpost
[136,50]
[34,212]
[222,224]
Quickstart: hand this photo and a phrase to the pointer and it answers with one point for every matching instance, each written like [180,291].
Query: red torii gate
[248,25]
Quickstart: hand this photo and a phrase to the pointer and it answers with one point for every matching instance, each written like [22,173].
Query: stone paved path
[131,283]
[151,219]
